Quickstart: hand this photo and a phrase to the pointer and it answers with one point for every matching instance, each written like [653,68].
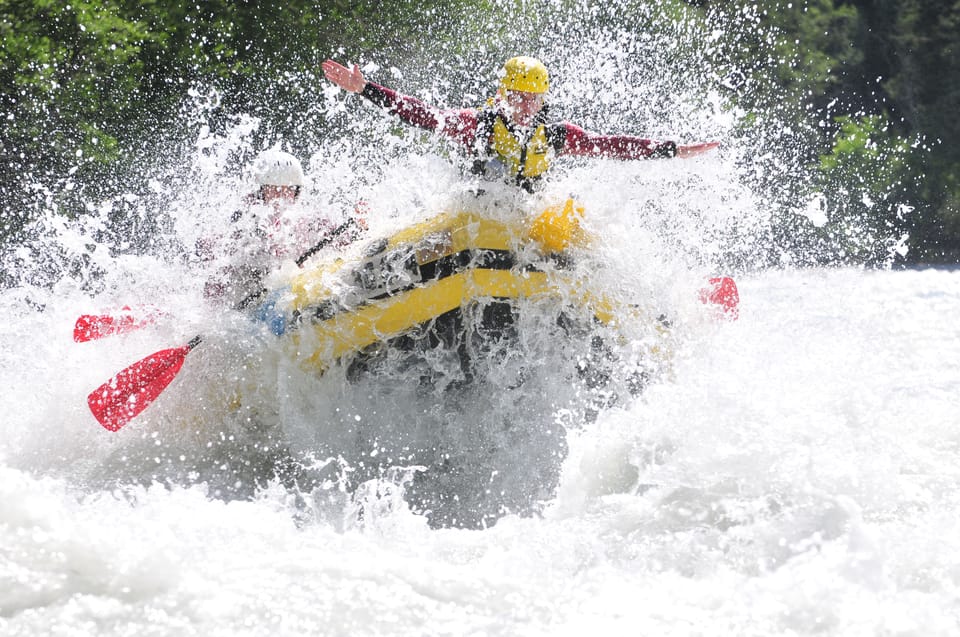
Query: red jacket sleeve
[580,143]
[460,125]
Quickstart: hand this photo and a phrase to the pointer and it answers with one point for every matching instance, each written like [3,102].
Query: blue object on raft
[269,315]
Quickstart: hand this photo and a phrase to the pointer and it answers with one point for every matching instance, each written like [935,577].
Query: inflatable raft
[450,282]
[464,347]
[454,355]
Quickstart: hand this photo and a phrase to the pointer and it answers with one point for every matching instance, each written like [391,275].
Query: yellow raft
[425,274]
[458,351]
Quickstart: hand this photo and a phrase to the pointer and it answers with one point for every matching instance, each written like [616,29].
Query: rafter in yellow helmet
[526,74]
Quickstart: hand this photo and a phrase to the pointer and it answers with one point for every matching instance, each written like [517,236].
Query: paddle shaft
[327,240]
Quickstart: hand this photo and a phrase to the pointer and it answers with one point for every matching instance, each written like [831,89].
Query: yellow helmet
[524,73]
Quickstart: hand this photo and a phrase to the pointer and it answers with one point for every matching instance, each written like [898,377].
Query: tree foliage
[90,90]
[855,66]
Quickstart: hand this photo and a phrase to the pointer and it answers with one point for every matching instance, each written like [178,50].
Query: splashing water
[787,476]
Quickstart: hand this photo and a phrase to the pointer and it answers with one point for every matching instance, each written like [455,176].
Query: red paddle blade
[722,292]
[123,397]
[93,326]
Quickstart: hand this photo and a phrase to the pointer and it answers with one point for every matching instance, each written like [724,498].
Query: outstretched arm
[458,125]
[348,79]
[583,144]
[580,143]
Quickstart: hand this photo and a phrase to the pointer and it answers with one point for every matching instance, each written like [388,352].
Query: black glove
[664,150]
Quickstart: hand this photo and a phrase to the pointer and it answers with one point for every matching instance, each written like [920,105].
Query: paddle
[90,327]
[122,398]
[328,239]
[722,291]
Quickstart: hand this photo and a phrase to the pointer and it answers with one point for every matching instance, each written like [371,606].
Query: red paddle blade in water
[722,292]
[126,395]
[90,327]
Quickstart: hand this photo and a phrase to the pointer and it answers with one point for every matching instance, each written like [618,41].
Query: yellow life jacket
[524,160]
[501,151]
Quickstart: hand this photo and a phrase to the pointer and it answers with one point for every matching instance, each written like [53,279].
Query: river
[797,475]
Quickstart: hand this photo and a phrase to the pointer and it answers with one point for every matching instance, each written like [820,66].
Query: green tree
[67,75]
[865,179]
[925,86]
[92,94]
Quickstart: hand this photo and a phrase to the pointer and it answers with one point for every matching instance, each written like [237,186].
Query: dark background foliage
[92,92]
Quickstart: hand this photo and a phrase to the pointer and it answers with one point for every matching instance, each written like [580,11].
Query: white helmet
[276,168]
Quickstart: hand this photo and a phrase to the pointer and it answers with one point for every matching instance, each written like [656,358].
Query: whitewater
[794,472]
[796,475]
